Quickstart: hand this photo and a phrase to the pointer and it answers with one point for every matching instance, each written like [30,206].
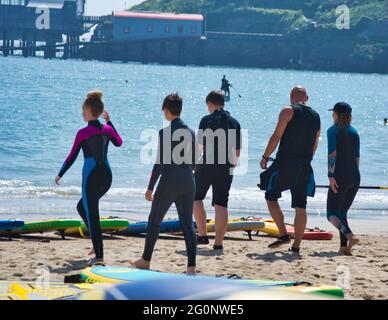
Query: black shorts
[296,176]
[217,177]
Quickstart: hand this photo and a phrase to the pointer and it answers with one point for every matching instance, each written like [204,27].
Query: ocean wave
[248,197]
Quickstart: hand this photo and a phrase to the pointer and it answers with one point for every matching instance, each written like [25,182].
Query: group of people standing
[188,164]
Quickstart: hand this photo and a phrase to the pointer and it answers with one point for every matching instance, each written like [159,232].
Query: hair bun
[95,95]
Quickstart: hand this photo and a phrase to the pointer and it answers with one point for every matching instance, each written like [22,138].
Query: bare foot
[342,251]
[140,264]
[352,242]
[191,271]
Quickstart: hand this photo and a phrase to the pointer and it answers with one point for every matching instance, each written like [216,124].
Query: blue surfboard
[168,226]
[9,225]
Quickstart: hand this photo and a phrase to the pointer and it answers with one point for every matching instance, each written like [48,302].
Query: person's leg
[277,216]
[221,224]
[81,211]
[221,188]
[184,205]
[346,205]
[163,199]
[202,185]
[200,217]
[91,205]
[300,226]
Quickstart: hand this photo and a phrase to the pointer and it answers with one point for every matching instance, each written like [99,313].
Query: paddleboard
[174,226]
[271,229]
[116,275]
[167,226]
[108,225]
[46,226]
[9,225]
[48,291]
[194,288]
[238,225]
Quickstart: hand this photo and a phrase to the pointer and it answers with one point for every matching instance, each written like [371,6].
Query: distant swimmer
[297,134]
[97,175]
[225,86]
[386,122]
[344,173]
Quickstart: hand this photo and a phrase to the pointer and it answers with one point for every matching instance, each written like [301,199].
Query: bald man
[297,134]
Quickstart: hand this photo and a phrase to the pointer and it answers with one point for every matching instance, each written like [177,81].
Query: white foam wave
[243,197]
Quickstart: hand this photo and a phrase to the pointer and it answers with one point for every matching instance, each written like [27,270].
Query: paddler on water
[93,140]
[225,87]
[344,173]
[386,122]
[297,134]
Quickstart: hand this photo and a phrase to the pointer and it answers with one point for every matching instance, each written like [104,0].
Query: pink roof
[162,16]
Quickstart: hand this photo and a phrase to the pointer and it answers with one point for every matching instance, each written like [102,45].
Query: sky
[102,7]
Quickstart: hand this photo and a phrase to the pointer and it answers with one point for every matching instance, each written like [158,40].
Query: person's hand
[334,185]
[106,116]
[264,163]
[149,195]
[58,180]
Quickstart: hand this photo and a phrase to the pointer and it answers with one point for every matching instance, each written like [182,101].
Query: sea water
[40,108]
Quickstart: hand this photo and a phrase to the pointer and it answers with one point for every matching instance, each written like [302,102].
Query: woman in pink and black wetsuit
[97,175]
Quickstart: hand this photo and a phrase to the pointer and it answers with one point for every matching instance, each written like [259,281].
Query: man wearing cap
[297,134]
[344,174]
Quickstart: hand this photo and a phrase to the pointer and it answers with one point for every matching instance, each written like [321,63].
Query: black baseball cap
[342,107]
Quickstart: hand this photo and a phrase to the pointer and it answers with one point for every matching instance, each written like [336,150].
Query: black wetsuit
[215,168]
[176,185]
[97,175]
[292,168]
[344,155]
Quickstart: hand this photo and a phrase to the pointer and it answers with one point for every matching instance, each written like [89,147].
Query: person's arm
[358,150]
[115,137]
[158,166]
[332,157]
[200,141]
[284,118]
[238,146]
[71,157]
[316,142]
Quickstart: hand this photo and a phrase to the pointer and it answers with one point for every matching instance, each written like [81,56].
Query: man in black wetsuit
[298,132]
[219,136]
[177,153]
[225,86]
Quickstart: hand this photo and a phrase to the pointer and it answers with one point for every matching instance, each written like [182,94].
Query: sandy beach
[318,264]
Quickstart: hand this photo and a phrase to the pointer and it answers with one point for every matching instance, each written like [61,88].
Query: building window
[180,29]
[194,29]
[150,28]
[127,30]
[167,29]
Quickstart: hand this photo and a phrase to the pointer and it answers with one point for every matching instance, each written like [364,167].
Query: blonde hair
[94,103]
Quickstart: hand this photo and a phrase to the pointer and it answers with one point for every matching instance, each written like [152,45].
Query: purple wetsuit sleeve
[115,137]
[73,155]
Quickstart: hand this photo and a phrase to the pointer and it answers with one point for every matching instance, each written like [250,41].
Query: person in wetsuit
[177,151]
[225,86]
[344,173]
[297,134]
[93,140]
[219,137]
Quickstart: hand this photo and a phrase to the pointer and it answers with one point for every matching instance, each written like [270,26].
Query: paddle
[362,187]
[239,95]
